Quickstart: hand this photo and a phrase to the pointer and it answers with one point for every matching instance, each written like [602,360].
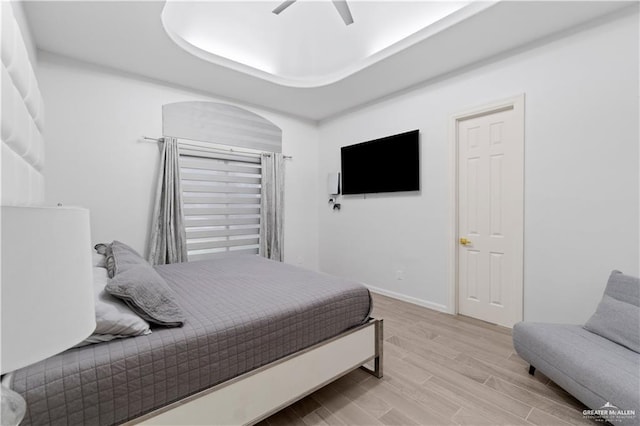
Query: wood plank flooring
[439,369]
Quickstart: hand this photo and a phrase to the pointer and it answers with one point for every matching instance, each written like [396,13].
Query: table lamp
[46,298]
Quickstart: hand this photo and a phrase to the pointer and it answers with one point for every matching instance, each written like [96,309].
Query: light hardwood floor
[439,369]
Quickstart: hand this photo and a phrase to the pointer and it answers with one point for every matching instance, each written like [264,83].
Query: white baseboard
[424,303]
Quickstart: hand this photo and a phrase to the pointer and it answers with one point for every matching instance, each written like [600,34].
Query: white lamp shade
[47,292]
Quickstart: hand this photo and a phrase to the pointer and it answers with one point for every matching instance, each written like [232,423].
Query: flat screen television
[390,164]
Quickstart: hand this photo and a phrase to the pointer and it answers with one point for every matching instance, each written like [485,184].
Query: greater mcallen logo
[609,412]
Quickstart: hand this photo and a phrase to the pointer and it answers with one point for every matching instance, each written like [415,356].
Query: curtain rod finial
[153,139]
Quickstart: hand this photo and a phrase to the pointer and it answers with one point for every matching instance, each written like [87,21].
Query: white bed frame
[254,396]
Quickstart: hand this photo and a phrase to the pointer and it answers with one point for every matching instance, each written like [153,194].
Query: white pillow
[99,260]
[114,319]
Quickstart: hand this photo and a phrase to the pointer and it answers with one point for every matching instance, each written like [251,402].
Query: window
[221,196]
[221,189]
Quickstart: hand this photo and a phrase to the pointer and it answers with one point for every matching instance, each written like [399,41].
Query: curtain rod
[161,140]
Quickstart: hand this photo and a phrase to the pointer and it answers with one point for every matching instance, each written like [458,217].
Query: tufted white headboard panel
[22,112]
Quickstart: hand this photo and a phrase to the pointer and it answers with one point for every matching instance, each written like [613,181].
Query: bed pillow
[101,248]
[105,250]
[99,260]
[114,320]
[617,317]
[147,294]
[118,256]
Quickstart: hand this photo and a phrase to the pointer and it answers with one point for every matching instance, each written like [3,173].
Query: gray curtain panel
[168,239]
[272,207]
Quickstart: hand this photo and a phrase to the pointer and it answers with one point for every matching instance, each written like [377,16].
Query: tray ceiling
[307,45]
[129,37]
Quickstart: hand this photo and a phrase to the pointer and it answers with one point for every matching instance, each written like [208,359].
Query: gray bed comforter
[241,312]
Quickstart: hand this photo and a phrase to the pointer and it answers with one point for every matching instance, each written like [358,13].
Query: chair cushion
[624,288]
[617,317]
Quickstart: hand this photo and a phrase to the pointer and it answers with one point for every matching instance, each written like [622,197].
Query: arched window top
[220,123]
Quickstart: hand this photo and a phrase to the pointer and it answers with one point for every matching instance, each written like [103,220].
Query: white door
[490,214]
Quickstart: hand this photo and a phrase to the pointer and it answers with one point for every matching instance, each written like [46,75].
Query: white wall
[581,176]
[95,157]
[23,24]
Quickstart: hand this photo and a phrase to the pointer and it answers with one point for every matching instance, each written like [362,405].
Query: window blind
[219,123]
[221,199]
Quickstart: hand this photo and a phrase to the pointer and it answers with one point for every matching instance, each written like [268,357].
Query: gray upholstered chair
[598,363]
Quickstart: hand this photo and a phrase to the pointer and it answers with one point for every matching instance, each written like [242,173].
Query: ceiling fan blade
[285,4]
[343,10]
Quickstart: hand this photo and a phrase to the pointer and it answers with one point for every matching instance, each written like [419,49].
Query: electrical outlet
[399,274]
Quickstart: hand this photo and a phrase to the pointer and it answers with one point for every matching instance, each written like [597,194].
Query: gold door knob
[464,241]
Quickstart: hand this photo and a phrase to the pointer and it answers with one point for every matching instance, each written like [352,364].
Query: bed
[291,332]
[252,327]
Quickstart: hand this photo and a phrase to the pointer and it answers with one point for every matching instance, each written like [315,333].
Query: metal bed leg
[532,369]
[377,361]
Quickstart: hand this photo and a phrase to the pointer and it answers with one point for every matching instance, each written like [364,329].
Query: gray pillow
[101,248]
[617,317]
[147,294]
[109,263]
[119,256]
